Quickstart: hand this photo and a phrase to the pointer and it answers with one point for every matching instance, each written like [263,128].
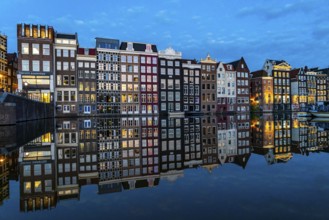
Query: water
[272,167]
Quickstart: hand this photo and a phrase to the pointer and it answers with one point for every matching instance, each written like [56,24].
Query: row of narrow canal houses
[119,78]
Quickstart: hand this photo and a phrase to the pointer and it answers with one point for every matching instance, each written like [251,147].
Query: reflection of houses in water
[128,153]
[271,137]
[192,142]
[88,151]
[209,140]
[37,174]
[171,146]
[227,138]
[309,136]
[4,177]
[233,144]
[67,158]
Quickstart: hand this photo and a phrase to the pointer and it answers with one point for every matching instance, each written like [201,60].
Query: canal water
[272,166]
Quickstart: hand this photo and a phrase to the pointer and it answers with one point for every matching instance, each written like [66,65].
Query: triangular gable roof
[208,60]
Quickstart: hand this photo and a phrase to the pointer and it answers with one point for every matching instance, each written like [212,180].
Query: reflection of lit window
[27,187]
[37,186]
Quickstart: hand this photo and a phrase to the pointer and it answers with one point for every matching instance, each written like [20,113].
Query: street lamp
[25,85]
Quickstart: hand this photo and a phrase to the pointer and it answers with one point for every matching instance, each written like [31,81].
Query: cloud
[79,22]
[136,9]
[269,12]
[321,32]
[164,16]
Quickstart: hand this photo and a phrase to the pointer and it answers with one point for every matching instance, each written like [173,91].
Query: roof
[11,57]
[323,71]
[259,73]
[294,73]
[66,36]
[190,61]
[238,65]
[276,62]
[138,47]
[228,67]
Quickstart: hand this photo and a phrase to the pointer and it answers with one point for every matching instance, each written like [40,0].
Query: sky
[296,31]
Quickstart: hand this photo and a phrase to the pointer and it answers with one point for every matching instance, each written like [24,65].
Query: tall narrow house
[35,61]
[280,71]
[208,83]
[3,63]
[191,86]
[108,76]
[226,88]
[139,78]
[242,85]
[86,81]
[66,74]
[171,89]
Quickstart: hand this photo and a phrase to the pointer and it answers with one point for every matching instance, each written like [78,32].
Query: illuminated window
[35,49]
[37,186]
[25,48]
[27,187]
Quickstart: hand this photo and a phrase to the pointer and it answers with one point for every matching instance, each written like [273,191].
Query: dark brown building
[3,63]
[208,85]
[35,66]
[12,69]
[66,74]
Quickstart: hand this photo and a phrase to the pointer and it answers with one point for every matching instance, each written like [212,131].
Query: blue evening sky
[294,30]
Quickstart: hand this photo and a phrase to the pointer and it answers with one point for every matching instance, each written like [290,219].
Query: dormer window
[148,48]
[130,46]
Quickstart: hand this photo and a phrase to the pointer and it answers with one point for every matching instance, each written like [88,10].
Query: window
[25,65]
[72,53]
[37,186]
[72,66]
[59,65]
[35,49]
[36,65]
[48,185]
[65,80]
[65,65]
[66,95]
[65,53]
[87,123]
[37,169]
[27,187]
[25,48]
[59,80]
[46,66]
[58,53]
[72,80]
[45,49]
[27,170]
[72,96]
